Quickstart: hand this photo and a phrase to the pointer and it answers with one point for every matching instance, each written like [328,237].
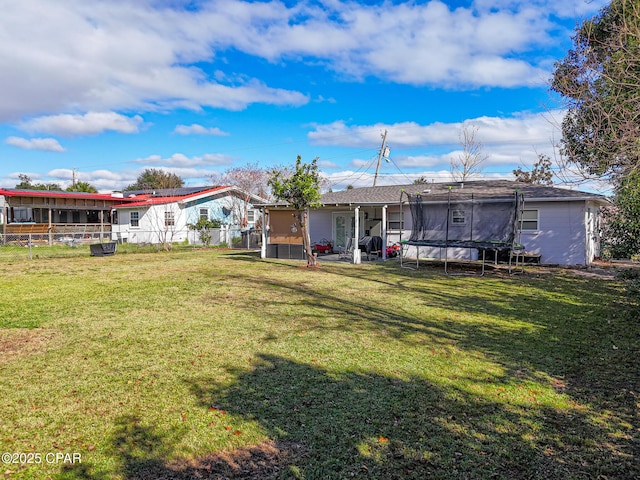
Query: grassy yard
[213,364]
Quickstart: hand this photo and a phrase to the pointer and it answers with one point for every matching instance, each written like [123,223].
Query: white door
[344,226]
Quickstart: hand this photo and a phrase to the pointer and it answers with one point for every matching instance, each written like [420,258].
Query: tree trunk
[306,239]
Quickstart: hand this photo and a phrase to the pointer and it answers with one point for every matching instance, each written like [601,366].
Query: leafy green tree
[599,79]
[621,231]
[421,180]
[154,178]
[82,187]
[300,187]
[26,184]
[541,173]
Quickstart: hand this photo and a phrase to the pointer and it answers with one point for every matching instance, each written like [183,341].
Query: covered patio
[48,217]
[353,233]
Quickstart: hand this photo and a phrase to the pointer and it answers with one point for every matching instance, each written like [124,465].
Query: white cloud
[327,164]
[91,123]
[426,43]
[45,144]
[179,160]
[106,181]
[420,161]
[431,44]
[195,129]
[527,128]
[90,55]
[509,142]
[341,180]
[564,8]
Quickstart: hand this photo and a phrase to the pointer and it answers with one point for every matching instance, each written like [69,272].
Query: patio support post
[263,248]
[101,225]
[356,246]
[50,229]
[384,232]
[5,220]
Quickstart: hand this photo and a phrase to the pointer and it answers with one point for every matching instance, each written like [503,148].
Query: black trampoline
[464,221]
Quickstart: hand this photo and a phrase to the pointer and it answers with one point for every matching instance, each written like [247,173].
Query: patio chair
[347,253]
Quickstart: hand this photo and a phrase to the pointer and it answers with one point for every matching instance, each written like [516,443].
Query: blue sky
[111,87]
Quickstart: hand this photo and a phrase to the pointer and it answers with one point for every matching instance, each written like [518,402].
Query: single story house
[561,226]
[49,216]
[164,215]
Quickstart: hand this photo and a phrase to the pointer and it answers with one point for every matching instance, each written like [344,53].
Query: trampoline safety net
[464,221]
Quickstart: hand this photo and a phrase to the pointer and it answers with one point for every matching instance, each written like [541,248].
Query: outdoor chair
[347,253]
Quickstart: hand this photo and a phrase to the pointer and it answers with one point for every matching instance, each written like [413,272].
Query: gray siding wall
[560,238]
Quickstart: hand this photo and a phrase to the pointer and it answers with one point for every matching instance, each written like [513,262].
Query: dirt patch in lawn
[605,270]
[598,269]
[22,342]
[266,460]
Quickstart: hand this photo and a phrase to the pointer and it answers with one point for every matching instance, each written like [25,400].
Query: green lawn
[219,364]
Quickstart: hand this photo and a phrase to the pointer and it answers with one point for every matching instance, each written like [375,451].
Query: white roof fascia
[602,200]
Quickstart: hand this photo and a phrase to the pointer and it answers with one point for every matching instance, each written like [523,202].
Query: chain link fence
[70,244]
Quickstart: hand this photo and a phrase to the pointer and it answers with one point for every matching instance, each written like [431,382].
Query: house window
[394,221]
[458,217]
[251,216]
[134,219]
[203,214]
[530,219]
[169,219]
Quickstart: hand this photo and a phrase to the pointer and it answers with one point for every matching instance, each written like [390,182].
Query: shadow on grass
[142,453]
[366,425]
[562,326]
[360,425]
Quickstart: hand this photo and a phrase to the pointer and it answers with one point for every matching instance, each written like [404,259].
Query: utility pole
[383,153]
[73,177]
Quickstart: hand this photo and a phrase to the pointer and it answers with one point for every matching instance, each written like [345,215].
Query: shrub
[203,226]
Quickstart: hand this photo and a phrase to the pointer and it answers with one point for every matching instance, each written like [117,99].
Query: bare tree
[251,180]
[163,219]
[469,162]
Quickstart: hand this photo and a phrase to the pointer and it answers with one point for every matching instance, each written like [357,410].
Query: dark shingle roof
[389,194]
[167,192]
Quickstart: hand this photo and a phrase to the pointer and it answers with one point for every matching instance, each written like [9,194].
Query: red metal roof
[11,192]
[147,199]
